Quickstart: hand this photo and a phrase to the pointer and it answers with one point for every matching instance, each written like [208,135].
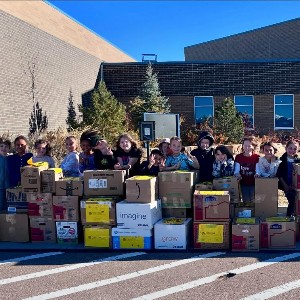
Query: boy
[152,166]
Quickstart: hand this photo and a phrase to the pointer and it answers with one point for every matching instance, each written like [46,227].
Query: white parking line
[29,257]
[209,279]
[92,285]
[68,268]
[275,291]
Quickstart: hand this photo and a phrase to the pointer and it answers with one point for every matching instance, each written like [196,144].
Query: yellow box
[97,236]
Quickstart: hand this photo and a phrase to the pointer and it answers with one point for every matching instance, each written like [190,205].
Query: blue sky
[166,27]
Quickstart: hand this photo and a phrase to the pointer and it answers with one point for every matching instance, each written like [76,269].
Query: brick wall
[60,67]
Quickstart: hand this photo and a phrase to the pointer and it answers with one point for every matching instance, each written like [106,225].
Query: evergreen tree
[150,98]
[105,114]
[228,123]
[37,121]
[71,119]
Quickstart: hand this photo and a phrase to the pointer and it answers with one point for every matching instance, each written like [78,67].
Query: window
[244,105]
[284,111]
[204,108]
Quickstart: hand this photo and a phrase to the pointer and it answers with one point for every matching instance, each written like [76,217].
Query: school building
[63,54]
[259,69]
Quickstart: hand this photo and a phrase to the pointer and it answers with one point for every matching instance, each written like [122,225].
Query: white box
[138,215]
[136,238]
[169,236]
[67,232]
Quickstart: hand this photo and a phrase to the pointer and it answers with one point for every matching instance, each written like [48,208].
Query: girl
[267,165]
[128,155]
[43,153]
[164,147]
[223,165]
[179,160]
[285,174]
[244,169]
[5,146]
[18,160]
[86,157]
[70,164]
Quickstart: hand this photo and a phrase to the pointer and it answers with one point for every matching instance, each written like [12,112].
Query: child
[224,164]
[3,181]
[128,155]
[104,155]
[86,157]
[151,166]
[5,146]
[164,147]
[205,155]
[267,165]
[70,164]
[43,153]
[285,174]
[18,160]
[179,160]
[244,169]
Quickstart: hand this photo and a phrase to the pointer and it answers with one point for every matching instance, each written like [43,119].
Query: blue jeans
[248,192]
[290,195]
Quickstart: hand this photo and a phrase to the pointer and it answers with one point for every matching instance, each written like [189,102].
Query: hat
[165,140]
[206,135]
[94,140]
[92,137]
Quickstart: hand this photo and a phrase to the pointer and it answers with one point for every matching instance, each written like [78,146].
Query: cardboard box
[48,178]
[175,212]
[66,208]
[16,201]
[104,182]
[245,237]
[244,210]
[142,189]
[214,235]
[69,186]
[97,236]
[98,210]
[14,228]
[297,203]
[31,179]
[278,235]
[40,205]
[42,230]
[211,206]
[176,188]
[172,236]
[296,176]
[67,232]
[137,238]
[138,215]
[204,186]
[230,184]
[266,197]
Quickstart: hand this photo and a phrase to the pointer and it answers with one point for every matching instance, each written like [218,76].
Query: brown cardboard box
[97,236]
[16,200]
[211,206]
[245,237]
[40,205]
[14,228]
[296,176]
[176,188]
[204,186]
[174,212]
[98,210]
[278,234]
[297,203]
[48,179]
[42,230]
[31,179]
[230,184]
[65,208]
[142,189]
[211,235]
[104,182]
[266,197]
[69,186]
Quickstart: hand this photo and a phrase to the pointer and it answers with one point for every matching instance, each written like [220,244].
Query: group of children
[96,154]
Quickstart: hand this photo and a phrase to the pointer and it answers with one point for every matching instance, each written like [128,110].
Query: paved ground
[140,275]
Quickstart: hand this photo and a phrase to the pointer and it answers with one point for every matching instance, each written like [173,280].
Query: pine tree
[150,98]
[71,119]
[228,123]
[37,121]
[105,114]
